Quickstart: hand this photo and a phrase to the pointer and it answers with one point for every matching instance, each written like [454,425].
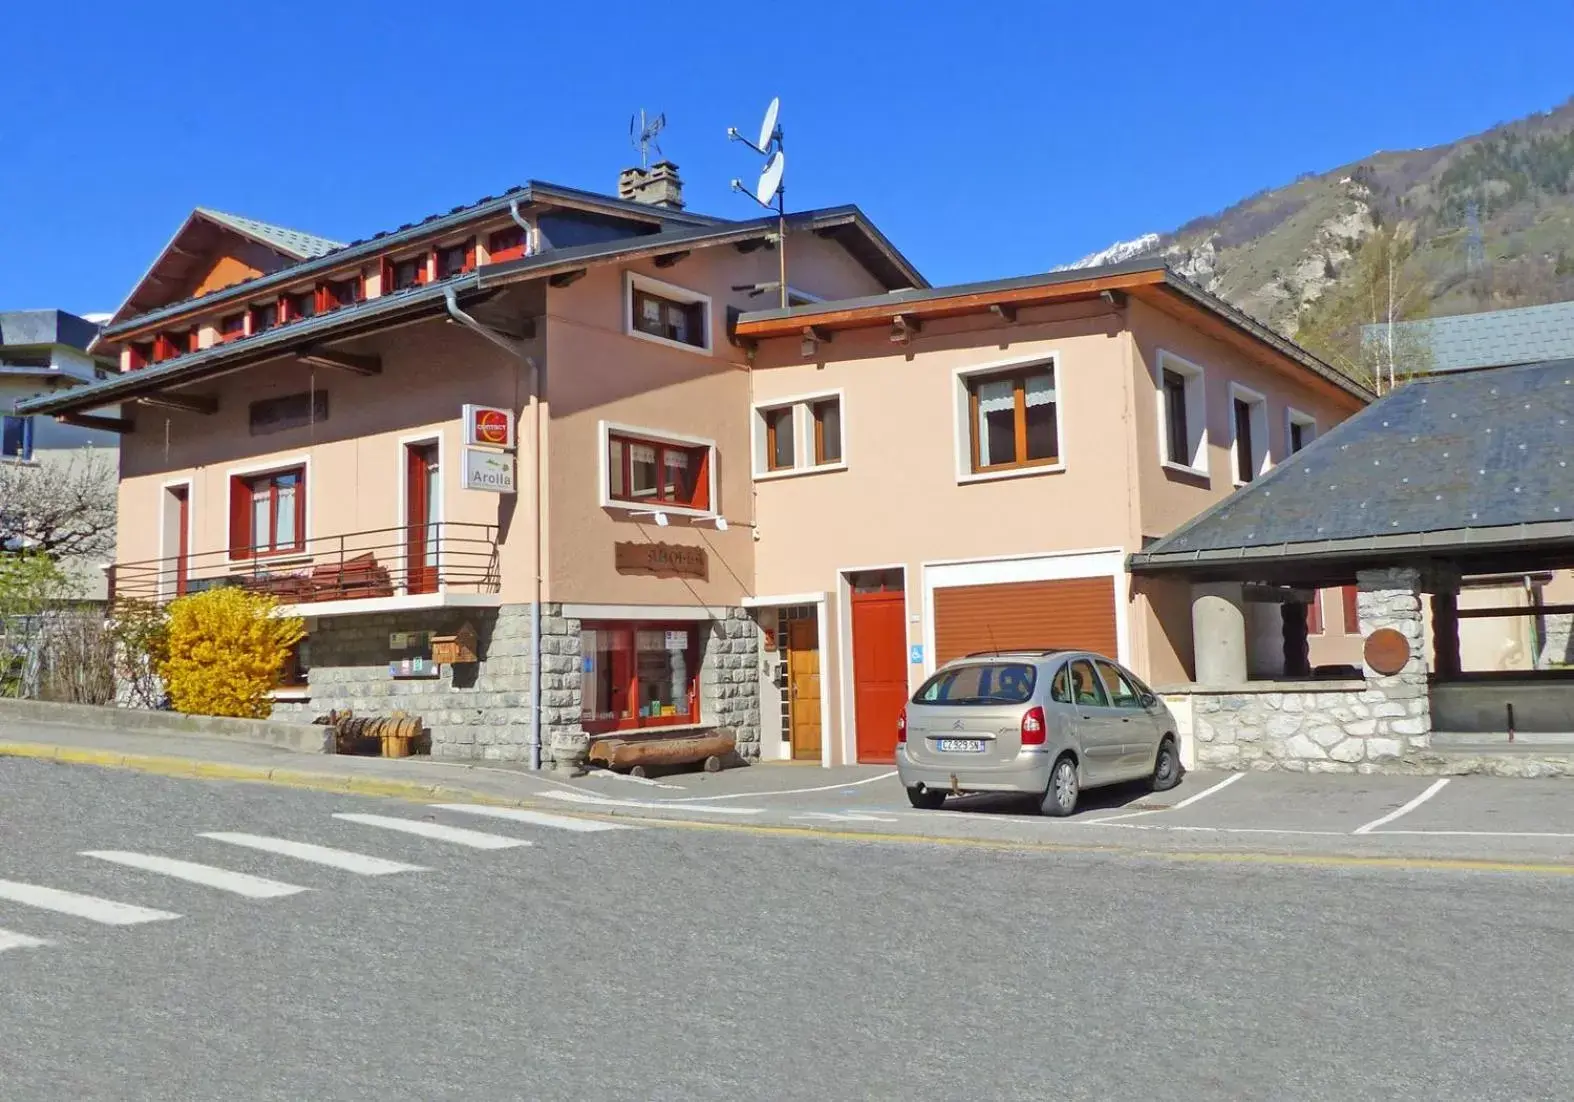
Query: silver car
[1049,723]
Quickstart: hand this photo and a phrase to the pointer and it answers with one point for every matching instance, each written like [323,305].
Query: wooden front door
[803,687]
[421,538]
[180,499]
[879,671]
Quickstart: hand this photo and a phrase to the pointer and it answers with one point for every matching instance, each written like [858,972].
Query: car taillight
[1033,727]
[901,725]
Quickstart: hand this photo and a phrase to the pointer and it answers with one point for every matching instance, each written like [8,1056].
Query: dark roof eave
[1442,541]
[223,358]
[1255,328]
[533,191]
[927,293]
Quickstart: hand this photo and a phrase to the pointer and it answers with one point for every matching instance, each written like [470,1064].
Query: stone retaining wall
[1331,727]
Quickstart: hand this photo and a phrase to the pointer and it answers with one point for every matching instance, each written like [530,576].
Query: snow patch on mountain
[1120,250]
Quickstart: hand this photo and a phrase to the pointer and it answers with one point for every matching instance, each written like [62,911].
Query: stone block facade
[481,712]
[474,712]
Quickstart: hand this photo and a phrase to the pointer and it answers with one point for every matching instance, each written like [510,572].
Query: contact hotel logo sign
[489,434]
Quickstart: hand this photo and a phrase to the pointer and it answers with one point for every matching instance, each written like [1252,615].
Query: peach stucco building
[573,425]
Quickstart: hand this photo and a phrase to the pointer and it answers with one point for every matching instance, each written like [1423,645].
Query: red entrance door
[879,671]
[421,540]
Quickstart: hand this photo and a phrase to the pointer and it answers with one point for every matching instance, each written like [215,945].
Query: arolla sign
[489,426]
[488,470]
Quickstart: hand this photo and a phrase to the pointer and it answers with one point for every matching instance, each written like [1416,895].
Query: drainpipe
[514,349]
[519,220]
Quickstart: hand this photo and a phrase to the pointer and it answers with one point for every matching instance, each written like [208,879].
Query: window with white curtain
[1013,419]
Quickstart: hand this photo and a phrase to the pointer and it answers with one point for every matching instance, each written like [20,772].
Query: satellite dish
[768,127]
[770,179]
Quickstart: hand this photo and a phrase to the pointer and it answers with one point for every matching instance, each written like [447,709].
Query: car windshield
[980,683]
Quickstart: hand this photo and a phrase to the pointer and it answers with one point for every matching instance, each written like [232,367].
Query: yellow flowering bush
[223,652]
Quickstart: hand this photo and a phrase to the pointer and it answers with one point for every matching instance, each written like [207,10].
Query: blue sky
[986,139]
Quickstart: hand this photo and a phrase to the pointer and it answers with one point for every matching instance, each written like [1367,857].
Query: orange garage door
[1076,613]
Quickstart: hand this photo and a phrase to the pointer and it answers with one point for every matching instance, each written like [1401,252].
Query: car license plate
[961,745]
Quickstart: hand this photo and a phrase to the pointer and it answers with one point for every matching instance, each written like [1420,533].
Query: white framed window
[1183,414]
[1300,429]
[1249,456]
[1008,419]
[666,313]
[648,470]
[803,434]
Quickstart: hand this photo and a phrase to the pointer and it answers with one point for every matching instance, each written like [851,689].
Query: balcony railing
[446,557]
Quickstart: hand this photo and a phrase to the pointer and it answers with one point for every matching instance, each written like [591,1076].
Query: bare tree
[62,507]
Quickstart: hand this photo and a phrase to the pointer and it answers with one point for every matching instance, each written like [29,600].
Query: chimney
[659,185]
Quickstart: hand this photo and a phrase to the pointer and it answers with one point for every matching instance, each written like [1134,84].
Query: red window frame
[508,243]
[626,680]
[300,304]
[336,293]
[264,312]
[232,327]
[243,488]
[1352,615]
[622,462]
[463,251]
[140,355]
[391,270]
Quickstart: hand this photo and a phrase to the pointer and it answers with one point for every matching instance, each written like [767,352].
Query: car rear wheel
[1060,798]
[926,799]
[1166,767]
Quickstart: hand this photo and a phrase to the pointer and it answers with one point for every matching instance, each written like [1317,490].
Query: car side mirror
[1149,700]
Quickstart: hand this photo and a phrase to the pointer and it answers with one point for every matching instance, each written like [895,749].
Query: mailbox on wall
[455,649]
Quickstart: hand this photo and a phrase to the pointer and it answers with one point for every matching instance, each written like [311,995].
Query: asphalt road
[676,962]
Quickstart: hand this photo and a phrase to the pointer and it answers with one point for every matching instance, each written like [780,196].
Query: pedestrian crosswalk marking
[535,818]
[104,911]
[240,883]
[577,797]
[317,855]
[475,839]
[10,940]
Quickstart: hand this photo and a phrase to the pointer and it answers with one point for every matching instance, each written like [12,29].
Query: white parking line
[225,880]
[1432,790]
[1187,802]
[784,791]
[1479,833]
[664,805]
[104,911]
[317,855]
[10,940]
[535,818]
[475,839]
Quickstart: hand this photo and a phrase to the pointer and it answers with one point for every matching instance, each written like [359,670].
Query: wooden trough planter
[394,736]
[637,754]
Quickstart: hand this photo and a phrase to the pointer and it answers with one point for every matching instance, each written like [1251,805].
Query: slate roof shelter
[1494,338]
[1474,469]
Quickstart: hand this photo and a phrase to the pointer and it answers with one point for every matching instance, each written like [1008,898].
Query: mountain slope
[1482,223]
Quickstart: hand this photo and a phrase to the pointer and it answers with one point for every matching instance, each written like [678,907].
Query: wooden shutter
[1077,613]
[1352,616]
[240,519]
[469,254]
[387,270]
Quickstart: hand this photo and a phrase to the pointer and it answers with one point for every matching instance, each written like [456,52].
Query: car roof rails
[1042,651]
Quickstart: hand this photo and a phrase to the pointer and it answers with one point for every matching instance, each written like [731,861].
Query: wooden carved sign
[1387,651]
[662,559]
[449,650]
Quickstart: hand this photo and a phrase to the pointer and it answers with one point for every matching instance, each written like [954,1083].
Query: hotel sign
[661,559]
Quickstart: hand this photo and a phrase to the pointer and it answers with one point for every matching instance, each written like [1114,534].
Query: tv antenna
[769,191]
[642,134]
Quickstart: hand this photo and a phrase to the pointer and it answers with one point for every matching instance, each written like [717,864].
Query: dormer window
[232,327]
[300,305]
[343,292]
[455,258]
[139,355]
[506,244]
[410,272]
[264,317]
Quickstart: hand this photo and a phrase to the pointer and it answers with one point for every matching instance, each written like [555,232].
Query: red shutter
[240,519]
[1314,614]
[193,340]
[387,269]
[284,308]
[469,254]
[1352,617]
[300,511]
[701,479]
[425,268]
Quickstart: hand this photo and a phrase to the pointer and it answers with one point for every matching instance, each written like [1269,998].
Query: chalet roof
[302,246]
[1462,464]
[428,299]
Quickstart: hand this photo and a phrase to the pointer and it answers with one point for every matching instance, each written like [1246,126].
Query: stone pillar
[730,679]
[1218,632]
[1297,654]
[1401,704]
[564,744]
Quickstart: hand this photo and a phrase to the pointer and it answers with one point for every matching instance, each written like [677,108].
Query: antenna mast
[770,189]
[642,135]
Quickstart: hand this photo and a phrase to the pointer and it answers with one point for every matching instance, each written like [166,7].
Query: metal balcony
[395,565]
